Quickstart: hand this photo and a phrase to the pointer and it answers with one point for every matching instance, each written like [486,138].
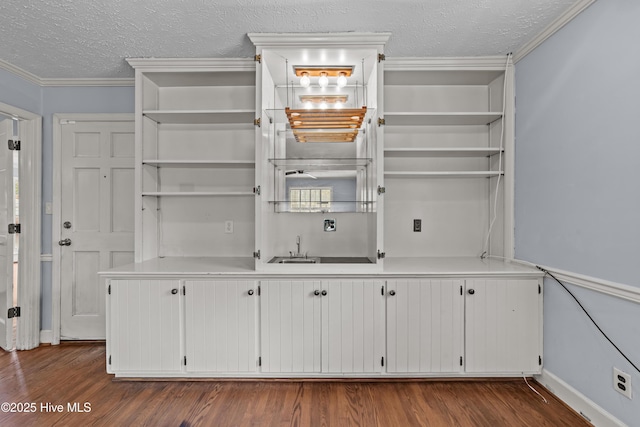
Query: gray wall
[577,196]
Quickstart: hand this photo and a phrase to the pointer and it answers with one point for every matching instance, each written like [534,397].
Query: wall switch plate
[228,227]
[417,225]
[330,224]
[622,383]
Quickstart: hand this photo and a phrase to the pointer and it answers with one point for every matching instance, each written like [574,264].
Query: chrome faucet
[298,254]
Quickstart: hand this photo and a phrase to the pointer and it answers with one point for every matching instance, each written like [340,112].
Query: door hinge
[109,289]
[258,290]
[256,122]
[460,360]
[381,190]
[540,360]
[381,57]
[382,290]
[256,190]
[14,145]
[382,361]
[381,254]
[185,361]
[13,312]
[109,359]
[260,361]
[257,254]
[257,58]
[460,289]
[381,121]
[539,289]
[14,229]
[184,290]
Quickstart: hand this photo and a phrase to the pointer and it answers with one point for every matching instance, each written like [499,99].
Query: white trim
[56,214]
[191,64]
[577,401]
[342,39]
[46,336]
[489,63]
[32,78]
[116,82]
[46,258]
[618,290]
[29,287]
[552,28]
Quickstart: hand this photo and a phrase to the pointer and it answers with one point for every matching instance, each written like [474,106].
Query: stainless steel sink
[293,260]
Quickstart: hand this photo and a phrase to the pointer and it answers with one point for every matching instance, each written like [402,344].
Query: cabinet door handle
[471,291]
[174,291]
[316,292]
[392,292]
[324,293]
[250,291]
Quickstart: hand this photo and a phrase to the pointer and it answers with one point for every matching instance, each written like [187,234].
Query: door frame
[29,288]
[56,311]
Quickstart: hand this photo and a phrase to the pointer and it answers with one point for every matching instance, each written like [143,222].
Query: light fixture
[337,105]
[305,81]
[308,105]
[323,81]
[323,105]
[342,79]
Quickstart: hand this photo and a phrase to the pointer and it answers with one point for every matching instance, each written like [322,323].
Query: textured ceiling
[91,38]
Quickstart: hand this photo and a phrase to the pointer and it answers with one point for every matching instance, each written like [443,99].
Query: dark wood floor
[68,374]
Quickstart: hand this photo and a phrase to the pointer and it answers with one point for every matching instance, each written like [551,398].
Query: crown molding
[348,39]
[191,64]
[48,82]
[552,28]
[490,63]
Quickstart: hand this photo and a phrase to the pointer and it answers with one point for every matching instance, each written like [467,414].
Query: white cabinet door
[424,326]
[503,328]
[220,319]
[352,326]
[290,326]
[144,326]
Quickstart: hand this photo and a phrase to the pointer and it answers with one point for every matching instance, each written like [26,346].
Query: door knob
[250,291]
[392,292]
[66,224]
[174,291]
[65,242]
[324,293]
[471,291]
[316,292]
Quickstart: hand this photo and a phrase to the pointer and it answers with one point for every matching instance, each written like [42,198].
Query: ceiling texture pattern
[90,39]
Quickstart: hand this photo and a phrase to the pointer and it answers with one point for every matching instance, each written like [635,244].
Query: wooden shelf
[222,164]
[197,193]
[338,125]
[442,174]
[440,119]
[191,117]
[442,152]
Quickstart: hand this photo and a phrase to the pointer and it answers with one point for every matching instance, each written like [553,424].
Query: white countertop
[181,267]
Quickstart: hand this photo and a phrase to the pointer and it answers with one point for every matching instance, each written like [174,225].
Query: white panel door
[424,326]
[290,320]
[503,326]
[221,325]
[6,239]
[97,218]
[145,324]
[352,326]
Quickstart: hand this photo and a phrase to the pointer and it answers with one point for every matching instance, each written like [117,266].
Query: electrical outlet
[417,225]
[622,382]
[228,227]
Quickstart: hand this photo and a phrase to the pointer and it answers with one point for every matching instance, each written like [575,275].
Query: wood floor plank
[75,374]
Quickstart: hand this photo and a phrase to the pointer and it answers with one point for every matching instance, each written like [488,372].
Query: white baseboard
[578,401]
[46,336]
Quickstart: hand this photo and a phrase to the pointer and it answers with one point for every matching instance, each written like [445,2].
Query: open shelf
[442,174]
[192,117]
[284,206]
[323,164]
[440,119]
[231,164]
[442,152]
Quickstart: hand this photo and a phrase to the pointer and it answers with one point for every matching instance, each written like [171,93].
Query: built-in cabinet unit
[285,227]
